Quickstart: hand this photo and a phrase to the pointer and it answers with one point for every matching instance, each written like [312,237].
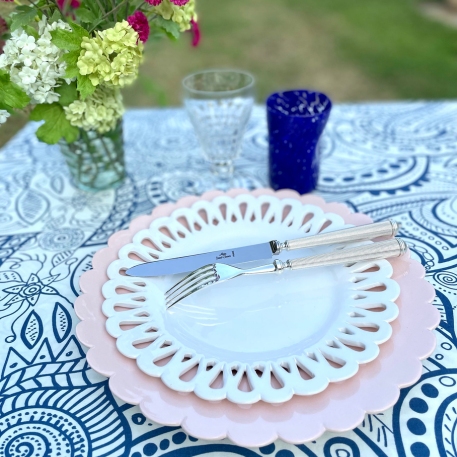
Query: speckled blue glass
[296,120]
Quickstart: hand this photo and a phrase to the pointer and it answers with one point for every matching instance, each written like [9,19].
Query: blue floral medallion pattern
[387,160]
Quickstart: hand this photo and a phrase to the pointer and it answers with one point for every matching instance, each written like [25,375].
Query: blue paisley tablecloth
[392,159]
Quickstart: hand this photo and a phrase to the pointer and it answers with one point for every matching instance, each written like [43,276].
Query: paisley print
[387,160]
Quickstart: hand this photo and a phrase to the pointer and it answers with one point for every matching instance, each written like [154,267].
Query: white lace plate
[254,338]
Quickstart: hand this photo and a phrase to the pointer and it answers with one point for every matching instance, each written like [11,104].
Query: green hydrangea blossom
[99,111]
[179,14]
[112,56]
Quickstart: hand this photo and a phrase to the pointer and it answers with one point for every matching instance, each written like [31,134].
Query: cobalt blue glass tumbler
[296,120]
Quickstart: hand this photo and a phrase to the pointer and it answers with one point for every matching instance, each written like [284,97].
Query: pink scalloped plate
[339,408]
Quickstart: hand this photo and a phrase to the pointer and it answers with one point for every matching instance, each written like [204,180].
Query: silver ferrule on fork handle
[360,233]
[277,266]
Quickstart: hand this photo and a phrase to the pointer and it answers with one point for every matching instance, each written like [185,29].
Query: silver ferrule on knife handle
[360,233]
[375,251]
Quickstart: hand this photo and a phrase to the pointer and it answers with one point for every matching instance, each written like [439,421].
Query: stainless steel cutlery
[216,273]
[263,251]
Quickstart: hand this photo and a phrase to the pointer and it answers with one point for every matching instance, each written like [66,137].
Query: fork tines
[193,282]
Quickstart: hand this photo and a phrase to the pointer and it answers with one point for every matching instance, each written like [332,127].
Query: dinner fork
[216,273]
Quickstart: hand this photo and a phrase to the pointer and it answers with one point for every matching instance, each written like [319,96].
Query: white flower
[52,97]
[3,61]
[35,65]
[25,40]
[14,75]
[28,75]
[10,47]
[27,57]
[43,26]
[39,97]
[4,115]
[45,45]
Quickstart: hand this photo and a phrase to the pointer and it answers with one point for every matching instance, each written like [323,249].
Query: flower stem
[107,14]
[114,15]
[107,152]
[30,1]
[101,7]
[52,8]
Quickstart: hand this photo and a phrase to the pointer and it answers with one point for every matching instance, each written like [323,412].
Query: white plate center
[251,318]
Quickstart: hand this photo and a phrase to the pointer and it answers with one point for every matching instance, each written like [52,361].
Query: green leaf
[7,108]
[170,27]
[80,31]
[56,125]
[132,9]
[105,24]
[85,15]
[72,71]
[71,58]
[24,8]
[56,15]
[156,33]
[94,7]
[29,30]
[71,41]
[68,93]
[23,17]
[64,39]
[11,94]
[85,86]
[27,10]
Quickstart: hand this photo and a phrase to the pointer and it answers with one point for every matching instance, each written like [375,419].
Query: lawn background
[351,49]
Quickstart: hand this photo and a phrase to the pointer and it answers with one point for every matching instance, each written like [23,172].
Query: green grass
[351,49]
[391,42]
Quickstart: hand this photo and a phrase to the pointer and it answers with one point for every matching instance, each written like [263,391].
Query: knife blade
[262,251]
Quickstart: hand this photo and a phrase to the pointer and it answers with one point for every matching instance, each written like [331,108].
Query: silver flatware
[216,273]
[263,251]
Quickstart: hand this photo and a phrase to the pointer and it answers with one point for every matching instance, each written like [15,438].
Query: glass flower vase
[96,161]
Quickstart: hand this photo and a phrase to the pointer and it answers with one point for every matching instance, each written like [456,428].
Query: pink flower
[140,24]
[152,2]
[6,0]
[196,32]
[65,4]
[3,26]
[3,29]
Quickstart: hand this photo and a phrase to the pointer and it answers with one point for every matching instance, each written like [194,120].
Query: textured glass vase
[296,120]
[96,161]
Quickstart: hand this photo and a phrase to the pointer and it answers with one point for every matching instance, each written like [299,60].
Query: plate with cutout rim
[265,337]
[340,407]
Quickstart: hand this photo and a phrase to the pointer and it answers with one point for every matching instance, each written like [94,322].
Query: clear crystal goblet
[219,104]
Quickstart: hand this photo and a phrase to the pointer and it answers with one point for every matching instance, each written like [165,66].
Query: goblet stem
[222,175]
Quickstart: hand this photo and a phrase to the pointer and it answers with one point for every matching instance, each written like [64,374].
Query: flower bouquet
[66,61]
